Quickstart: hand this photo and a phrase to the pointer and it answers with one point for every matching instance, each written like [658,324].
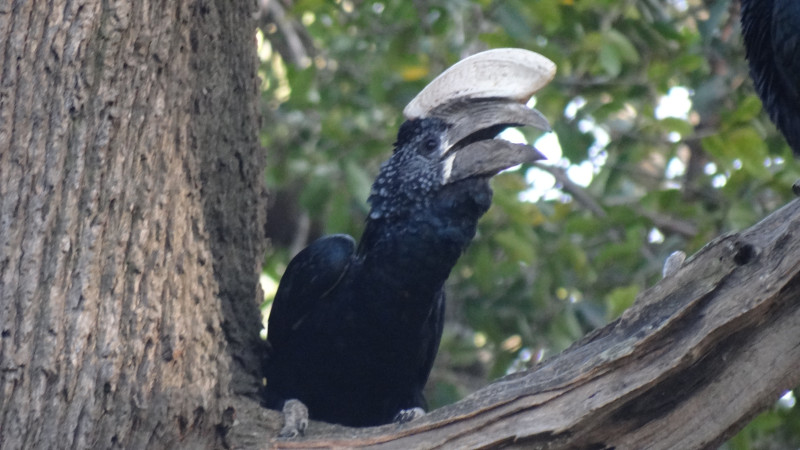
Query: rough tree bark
[131,235]
[131,221]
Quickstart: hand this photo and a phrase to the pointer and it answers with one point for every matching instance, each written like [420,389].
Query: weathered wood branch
[688,365]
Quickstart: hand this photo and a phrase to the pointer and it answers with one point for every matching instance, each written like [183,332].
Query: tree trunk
[131,221]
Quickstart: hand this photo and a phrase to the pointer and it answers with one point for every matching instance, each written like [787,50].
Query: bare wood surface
[687,366]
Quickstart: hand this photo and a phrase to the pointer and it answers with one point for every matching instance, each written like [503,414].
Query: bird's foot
[407,415]
[673,263]
[295,419]
[796,188]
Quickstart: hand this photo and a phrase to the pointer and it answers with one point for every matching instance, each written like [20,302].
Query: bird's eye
[430,145]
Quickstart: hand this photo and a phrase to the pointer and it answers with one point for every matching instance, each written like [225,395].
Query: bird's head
[449,134]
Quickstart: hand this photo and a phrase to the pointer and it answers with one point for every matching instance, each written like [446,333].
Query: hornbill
[354,328]
[771,34]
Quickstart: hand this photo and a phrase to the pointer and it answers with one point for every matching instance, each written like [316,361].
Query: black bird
[771,34]
[354,329]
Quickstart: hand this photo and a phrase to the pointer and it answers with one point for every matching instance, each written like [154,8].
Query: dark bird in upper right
[771,33]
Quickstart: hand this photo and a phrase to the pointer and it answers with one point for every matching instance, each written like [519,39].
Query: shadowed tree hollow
[132,217]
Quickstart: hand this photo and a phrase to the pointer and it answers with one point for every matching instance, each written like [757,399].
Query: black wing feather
[308,278]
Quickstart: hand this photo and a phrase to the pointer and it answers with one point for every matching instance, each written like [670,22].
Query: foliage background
[566,246]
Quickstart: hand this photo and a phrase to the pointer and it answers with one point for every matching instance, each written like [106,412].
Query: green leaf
[358,180]
[610,59]
[515,246]
[620,299]
[625,49]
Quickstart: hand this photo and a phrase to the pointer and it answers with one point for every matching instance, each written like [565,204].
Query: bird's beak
[478,97]
[471,149]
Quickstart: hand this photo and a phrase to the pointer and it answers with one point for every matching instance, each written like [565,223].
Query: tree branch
[686,366]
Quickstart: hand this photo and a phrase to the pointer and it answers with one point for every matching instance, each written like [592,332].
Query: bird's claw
[407,415]
[295,419]
[289,433]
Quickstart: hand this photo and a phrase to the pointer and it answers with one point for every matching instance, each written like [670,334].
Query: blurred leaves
[545,270]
